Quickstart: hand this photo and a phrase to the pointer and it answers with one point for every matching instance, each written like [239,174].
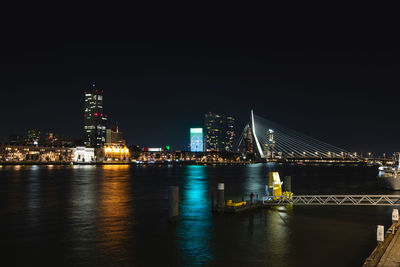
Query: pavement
[391,257]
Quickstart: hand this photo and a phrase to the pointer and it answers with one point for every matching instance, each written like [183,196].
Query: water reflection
[115,213]
[83,211]
[256,179]
[34,193]
[195,229]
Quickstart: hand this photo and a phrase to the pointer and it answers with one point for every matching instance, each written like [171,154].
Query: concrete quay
[386,253]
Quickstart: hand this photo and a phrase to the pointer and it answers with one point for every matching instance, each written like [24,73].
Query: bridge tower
[258,149]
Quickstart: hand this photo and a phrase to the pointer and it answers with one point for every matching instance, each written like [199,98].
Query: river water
[117,215]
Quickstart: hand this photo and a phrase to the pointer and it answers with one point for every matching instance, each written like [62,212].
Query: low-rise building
[83,154]
[40,154]
[114,153]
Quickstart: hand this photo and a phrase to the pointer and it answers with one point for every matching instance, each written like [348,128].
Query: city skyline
[324,81]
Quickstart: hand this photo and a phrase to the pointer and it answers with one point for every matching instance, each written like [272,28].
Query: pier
[310,200]
[387,252]
[275,196]
[336,200]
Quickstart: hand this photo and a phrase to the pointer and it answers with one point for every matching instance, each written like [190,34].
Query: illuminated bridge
[270,140]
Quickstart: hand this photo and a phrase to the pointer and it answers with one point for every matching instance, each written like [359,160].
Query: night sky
[334,79]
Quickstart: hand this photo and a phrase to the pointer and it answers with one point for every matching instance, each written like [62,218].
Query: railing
[358,200]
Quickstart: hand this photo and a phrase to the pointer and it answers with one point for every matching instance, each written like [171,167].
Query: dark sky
[335,79]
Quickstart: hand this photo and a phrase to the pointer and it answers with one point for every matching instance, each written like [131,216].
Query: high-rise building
[196,140]
[212,125]
[33,137]
[229,133]
[247,145]
[269,146]
[95,119]
[219,130]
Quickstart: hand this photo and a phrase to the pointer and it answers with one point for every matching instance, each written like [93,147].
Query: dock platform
[386,253]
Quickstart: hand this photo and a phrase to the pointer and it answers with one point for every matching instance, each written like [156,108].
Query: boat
[389,176]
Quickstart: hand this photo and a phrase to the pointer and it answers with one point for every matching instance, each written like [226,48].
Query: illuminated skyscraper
[95,119]
[228,131]
[212,127]
[196,140]
[219,132]
[247,140]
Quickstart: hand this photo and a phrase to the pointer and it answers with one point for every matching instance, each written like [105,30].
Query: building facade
[219,132]
[114,136]
[95,119]
[40,154]
[33,137]
[196,140]
[228,131]
[247,145]
[114,153]
[83,154]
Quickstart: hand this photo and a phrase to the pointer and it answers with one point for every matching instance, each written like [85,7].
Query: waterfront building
[95,119]
[196,140]
[153,149]
[115,153]
[114,136]
[83,154]
[155,154]
[40,154]
[219,132]
[33,137]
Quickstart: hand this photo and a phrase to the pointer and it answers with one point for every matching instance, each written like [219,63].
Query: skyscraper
[33,137]
[212,127]
[196,140]
[219,130]
[95,119]
[229,133]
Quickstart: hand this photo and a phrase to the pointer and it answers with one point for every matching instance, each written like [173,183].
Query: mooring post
[288,183]
[220,196]
[380,233]
[395,215]
[395,219]
[173,202]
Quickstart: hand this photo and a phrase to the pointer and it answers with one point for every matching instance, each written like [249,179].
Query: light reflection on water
[195,228]
[256,179]
[115,216]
